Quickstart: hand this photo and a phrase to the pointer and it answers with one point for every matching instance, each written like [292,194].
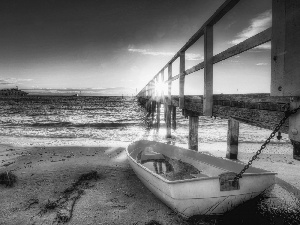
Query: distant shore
[46,168]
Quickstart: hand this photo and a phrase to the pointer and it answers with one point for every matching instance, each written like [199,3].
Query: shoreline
[45,170]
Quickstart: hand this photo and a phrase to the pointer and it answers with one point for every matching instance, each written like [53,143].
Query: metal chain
[287,114]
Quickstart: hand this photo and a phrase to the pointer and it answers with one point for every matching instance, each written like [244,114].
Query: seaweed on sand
[8,178]
[64,205]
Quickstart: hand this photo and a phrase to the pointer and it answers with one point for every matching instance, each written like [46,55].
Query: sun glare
[159,87]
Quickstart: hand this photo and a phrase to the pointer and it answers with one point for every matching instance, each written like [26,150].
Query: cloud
[189,56]
[193,57]
[5,82]
[9,81]
[257,25]
[148,52]
[229,25]
[262,64]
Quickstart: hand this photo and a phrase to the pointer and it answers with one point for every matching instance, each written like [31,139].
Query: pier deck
[262,110]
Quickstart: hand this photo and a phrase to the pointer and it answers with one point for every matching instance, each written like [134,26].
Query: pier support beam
[232,139]
[294,128]
[153,108]
[165,111]
[296,149]
[285,52]
[174,117]
[148,107]
[169,99]
[158,115]
[168,104]
[168,110]
[193,132]
[181,79]
[208,72]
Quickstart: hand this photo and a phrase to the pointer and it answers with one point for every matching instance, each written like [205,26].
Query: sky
[114,47]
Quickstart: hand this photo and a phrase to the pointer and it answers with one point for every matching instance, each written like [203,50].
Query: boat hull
[201,196]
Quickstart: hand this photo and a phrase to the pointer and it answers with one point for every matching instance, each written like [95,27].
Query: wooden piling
[285,51]
[294,127]
[168,105]
[162,77]
[208,71]
[169,100]
[153,106]
[158,115]
[296,149]
[148,107]
[165,112]
[174,117]
[168,109]
[193,132]
[232,139]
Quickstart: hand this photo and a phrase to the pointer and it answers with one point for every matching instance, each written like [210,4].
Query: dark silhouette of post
[232,139]
[193,132]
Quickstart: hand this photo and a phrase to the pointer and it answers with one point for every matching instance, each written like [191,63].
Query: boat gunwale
[238,162]
[189,180]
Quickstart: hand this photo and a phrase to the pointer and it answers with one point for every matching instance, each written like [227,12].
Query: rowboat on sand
[195,183]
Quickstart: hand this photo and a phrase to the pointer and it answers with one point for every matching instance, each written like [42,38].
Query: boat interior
[175,163]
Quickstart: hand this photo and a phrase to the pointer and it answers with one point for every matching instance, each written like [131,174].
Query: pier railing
[263,110]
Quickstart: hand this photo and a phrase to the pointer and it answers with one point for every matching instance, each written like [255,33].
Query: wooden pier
[262,110]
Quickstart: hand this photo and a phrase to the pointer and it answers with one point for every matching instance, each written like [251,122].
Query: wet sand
[49,174]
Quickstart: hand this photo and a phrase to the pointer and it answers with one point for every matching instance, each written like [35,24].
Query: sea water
[106,118]
[110,119]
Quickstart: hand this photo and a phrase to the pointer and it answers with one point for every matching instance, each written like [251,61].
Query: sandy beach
[50,188]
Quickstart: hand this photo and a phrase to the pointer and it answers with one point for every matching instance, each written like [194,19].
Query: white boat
[195,183]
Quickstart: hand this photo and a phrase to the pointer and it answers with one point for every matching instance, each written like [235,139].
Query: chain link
[287,114]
